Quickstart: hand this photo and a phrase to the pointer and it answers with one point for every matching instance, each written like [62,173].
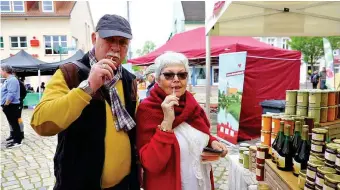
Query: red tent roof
[192,44]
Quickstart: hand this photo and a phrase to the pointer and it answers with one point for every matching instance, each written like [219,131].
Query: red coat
[159,151]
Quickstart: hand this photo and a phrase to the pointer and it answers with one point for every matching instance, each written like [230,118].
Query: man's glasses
[180,75]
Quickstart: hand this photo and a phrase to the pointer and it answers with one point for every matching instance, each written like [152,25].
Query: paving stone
[11,187]
[10,183]
[12,178]
[35,179]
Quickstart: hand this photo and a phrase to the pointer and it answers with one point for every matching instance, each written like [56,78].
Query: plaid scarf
[124,120]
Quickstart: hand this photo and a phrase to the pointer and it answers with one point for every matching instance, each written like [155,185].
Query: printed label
[258,172]
[222,129]
[281,161]
[262,138]
[260,155]
[312,99]
[317,148]
[262,123]
[273,125]
[337,161]
[330,157]
[296,167]
[318,137]
[310,173]
[319,181]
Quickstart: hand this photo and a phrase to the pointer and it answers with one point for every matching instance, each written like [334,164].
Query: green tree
[148,47]
[312,47]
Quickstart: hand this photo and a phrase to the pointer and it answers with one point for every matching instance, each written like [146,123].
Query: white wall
[31,27]
[192,26]
[81,25]
[179,16]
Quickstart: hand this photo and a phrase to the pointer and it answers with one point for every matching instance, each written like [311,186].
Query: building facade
[48,30]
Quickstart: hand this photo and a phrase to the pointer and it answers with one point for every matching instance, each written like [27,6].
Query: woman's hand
[168,111]
[220,146]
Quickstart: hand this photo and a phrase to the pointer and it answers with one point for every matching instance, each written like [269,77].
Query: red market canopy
[192,44]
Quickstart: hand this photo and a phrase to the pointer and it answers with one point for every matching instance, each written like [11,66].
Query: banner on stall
[230,90]
[330,80]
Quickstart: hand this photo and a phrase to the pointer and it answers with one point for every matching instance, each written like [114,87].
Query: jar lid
[314,92]
[324,107]
[291,90]
[263,131]
[333,178]
[319,130]
[303,173]
[315,163]
[252,148]
[332,146]
[244,145]
[288,118]
[243,148]
[312,157]
[262,146]
[326,170]
[276,116]
[246,152]
[266,115]
[337,141]
[318,143]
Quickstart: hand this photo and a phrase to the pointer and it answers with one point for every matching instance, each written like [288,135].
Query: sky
[150,20]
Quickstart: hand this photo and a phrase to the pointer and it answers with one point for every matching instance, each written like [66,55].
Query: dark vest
[80,153]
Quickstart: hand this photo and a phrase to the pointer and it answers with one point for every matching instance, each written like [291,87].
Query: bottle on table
[285,159]
[296,139]
[302,154]
[278,141]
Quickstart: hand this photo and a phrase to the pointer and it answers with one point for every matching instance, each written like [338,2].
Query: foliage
[312,47]
[148,47]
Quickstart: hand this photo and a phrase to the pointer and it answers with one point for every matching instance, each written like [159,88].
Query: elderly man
[10,103]
[150,77]
[91,104]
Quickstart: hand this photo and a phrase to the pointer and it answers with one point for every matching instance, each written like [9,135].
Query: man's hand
[101,72]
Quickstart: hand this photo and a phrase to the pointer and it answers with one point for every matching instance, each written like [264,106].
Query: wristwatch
[85,86]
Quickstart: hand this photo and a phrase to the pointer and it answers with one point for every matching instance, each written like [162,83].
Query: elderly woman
[172,131]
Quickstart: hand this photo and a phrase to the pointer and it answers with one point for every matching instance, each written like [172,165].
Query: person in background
[23,93]
[42,87]
[173,130]
[323,76]
[150,77]
[10,103]
[315,79]
[91,105]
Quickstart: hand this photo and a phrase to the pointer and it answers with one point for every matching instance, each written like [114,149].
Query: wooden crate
[334,128]
[278,179]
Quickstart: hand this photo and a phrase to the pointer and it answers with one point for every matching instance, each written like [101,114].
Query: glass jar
[320,175]
[331,181]
[319,134]
[312,166]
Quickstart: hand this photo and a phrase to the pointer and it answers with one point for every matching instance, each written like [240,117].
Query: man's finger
[110,63]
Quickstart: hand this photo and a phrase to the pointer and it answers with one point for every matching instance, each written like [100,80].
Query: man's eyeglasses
[171,76]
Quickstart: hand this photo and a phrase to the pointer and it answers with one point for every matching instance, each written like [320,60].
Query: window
[214,76]
[18,42]
[18,6]
[55,45]
[271,41]
[200,75]
[74,43]
[47,6]
[285,43]
[1,42]
[5,6]
[12,6]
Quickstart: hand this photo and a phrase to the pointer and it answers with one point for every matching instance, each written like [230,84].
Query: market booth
[282,18]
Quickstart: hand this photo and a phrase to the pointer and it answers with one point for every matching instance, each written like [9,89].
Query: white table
[239,177]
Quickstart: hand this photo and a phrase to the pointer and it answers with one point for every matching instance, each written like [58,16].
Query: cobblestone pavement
[30,166]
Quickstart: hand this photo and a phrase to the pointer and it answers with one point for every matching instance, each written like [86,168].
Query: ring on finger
[103,66]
